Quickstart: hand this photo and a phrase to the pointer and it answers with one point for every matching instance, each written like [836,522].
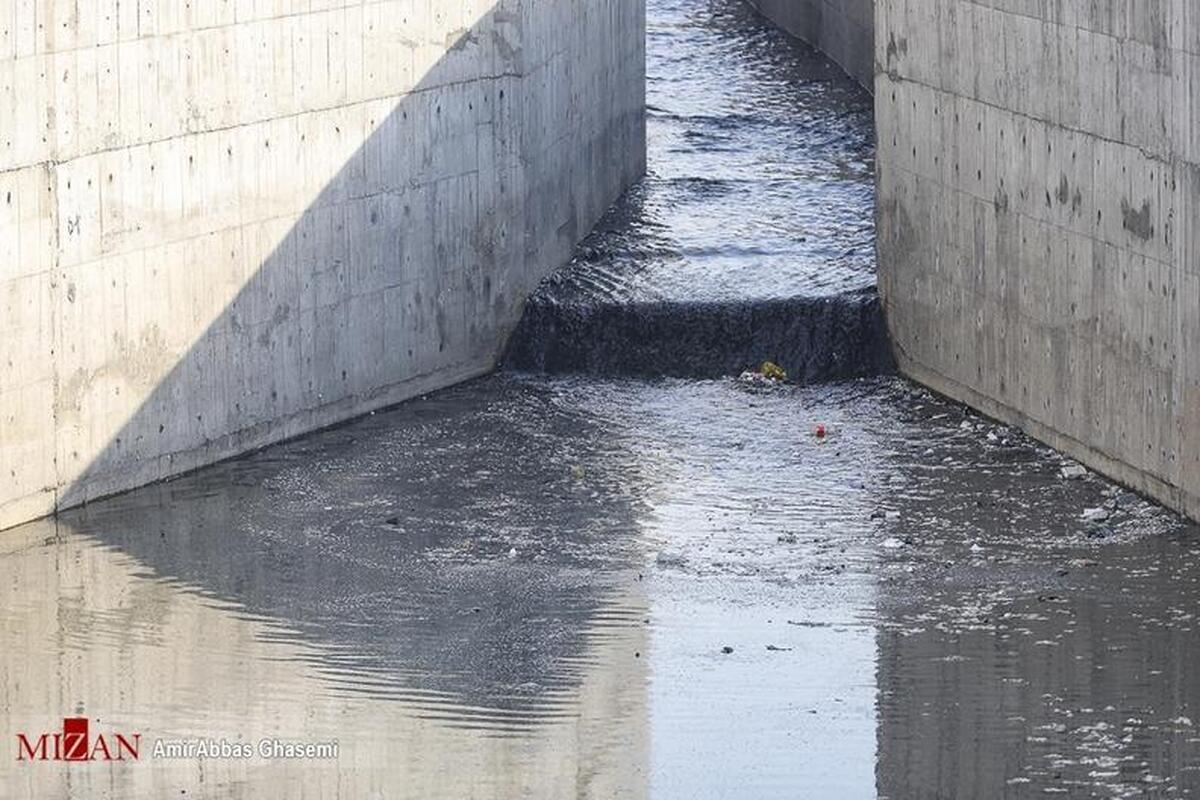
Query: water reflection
[464,547]
[913,606]
[88,629]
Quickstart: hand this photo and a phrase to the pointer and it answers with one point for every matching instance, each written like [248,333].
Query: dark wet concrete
[570,586]
[752,236]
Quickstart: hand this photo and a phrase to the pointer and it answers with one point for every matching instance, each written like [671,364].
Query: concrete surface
[1038,179]
[226,224]
[842,29]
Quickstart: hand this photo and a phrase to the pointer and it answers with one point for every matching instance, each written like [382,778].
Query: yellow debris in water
[772,371]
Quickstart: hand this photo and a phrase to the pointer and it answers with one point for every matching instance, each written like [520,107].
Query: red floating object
[819,431]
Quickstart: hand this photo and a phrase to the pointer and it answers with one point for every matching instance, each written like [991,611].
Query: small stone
[1074,472]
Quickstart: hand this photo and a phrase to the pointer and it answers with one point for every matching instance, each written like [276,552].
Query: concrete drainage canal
[617,569]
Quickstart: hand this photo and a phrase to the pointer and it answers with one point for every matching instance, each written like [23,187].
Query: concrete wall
[842,29]
[1039,194]
[223,224]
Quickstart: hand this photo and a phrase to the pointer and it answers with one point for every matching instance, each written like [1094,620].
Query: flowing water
[752,236]
[553,586]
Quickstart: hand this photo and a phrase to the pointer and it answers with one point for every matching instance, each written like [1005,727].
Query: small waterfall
[752,237]
[812,338]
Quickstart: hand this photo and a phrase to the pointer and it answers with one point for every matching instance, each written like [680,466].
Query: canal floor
[606,586]
[550,587]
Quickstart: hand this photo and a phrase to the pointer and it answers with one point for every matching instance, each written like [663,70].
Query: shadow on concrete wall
[404,274]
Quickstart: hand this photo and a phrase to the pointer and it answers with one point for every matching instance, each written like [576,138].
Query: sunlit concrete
[226,224]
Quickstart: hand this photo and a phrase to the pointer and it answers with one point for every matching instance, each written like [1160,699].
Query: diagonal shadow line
[405,273]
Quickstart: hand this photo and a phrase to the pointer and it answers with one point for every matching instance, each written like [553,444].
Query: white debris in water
[512,553]
[758,379]
[1095,515]
[892,543]
[1074,471]
[977,548]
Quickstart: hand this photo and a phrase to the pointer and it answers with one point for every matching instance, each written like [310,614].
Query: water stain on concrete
[1137,220]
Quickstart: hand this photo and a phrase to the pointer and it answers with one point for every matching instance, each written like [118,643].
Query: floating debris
[772,371]
[1074,471]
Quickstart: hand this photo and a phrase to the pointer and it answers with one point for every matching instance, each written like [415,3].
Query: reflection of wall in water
[385,542]
[84,629]
[967,709]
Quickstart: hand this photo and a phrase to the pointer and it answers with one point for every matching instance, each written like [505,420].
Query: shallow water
[524,585]
[752,236]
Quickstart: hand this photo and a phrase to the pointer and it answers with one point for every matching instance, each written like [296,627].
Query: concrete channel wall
[1038,210]
[224,224]
[842,29]
[1038,174]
